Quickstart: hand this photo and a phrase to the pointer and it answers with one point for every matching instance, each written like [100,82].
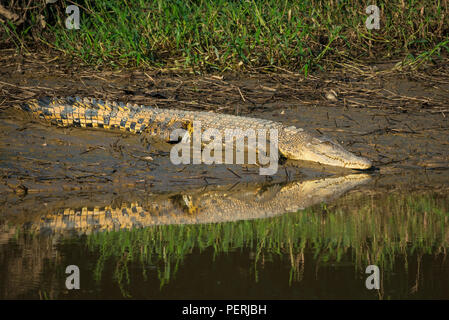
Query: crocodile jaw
[328,152]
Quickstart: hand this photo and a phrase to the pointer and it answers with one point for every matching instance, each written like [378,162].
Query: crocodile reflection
[220,205]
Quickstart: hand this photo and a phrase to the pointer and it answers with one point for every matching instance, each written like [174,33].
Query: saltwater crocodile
[221,204]
[293,143]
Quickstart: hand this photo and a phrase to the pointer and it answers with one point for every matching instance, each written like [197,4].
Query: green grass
[210,36]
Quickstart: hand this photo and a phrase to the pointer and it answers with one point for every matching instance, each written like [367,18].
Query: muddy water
[138,226]
[134,245]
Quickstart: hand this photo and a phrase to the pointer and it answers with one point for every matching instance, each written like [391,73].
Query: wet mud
[397,121]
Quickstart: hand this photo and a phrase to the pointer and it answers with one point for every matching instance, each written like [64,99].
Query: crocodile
[221,204]
[293,143]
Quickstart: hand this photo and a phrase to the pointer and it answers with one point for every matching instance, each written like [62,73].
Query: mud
[397,120]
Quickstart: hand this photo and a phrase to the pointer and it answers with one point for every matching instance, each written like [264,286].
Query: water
[320,252]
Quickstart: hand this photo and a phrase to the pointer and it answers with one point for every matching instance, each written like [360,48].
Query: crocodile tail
[37,108]
[77,112]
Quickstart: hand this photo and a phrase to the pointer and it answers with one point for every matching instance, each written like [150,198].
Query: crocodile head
[300,145]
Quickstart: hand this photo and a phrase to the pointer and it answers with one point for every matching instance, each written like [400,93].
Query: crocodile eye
[327,143]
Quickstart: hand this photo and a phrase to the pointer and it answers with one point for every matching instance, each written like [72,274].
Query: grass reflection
[373,229]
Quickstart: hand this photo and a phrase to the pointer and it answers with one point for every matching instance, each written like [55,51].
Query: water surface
[317,252]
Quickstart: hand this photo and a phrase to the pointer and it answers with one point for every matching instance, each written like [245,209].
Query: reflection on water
[234,243]
[226,203]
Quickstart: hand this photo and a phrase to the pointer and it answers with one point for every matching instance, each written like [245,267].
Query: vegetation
[209,35]
[371,230]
